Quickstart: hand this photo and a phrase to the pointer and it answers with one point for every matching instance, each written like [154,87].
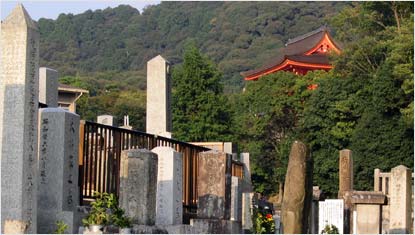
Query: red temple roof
[300,55]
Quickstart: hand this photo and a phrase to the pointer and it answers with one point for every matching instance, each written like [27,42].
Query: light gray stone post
[105,120]
[19,97]
[169,205]
[48,87]
[247,193]
[138,184]
[158,117]
[58,191]
[236,199]
[400,200]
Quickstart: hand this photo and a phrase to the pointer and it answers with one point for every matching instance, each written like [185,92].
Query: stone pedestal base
[197,226]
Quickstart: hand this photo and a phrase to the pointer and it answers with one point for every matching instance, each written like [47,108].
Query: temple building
[302,54]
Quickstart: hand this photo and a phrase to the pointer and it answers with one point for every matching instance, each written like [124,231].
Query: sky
[51,9]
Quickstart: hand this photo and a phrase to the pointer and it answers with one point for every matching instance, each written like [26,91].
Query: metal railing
[100,149]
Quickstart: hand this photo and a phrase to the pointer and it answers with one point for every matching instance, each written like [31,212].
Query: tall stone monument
[158,117]
[346,185]
[298,190]
[345,172]
[138,184]
[247,194]
[58,189]
[48,87]
[169,205]
[400,200]
[19,97]
[214,185]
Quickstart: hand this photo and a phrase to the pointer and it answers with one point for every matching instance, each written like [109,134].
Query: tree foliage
[200,110]
[365,104]
[237,36]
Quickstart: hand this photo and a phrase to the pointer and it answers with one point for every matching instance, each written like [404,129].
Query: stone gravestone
[106,120]
[247,193]
[367,207]
[346,184]
[400,200]
[298,190]
[126,123]
[48,87]
[158,117]
[330,213]
[169,205]
[138,184]
[214,185]
[19,98]
[58,191]
[317,196]
[236,199]
[345,172]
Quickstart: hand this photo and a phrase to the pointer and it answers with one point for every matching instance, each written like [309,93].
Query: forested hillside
[365,103]
[237,36]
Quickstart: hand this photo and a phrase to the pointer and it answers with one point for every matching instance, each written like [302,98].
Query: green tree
[200,111]
[364,103]
[266,120]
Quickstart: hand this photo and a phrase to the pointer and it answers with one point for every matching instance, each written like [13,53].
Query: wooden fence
[100,149]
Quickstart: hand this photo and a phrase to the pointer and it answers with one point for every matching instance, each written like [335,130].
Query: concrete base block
[15,227]
[216,226]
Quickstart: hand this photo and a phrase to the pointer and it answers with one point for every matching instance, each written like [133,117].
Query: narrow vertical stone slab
[138,184]
[19,97]
[158,116]
[345,172]
[106,120]
[331,213]
[247,193]
[169,205]
[214,185]
[298,190]
[376,182]
[236,199]
[48,87]
[346,184]
[58,191]
[400,200]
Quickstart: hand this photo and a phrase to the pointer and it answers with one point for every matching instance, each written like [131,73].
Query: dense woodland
[364,104]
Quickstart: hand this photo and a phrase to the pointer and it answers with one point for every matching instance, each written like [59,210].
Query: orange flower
[312,87]
[269,216]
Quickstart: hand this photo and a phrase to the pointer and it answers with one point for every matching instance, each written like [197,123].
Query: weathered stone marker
[19,97]
[345,172]
[169,205]
[298,190]
[158,117]
[346,185]
[138,183]
[366,213]
[106,120]
[247,193]
[58,191]
[331,213]
[400,200]
[236,199]
[214,185]
[48,87]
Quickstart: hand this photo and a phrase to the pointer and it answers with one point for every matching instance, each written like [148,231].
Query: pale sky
[51,9]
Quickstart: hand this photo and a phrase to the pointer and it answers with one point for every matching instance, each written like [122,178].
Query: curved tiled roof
[295,50]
